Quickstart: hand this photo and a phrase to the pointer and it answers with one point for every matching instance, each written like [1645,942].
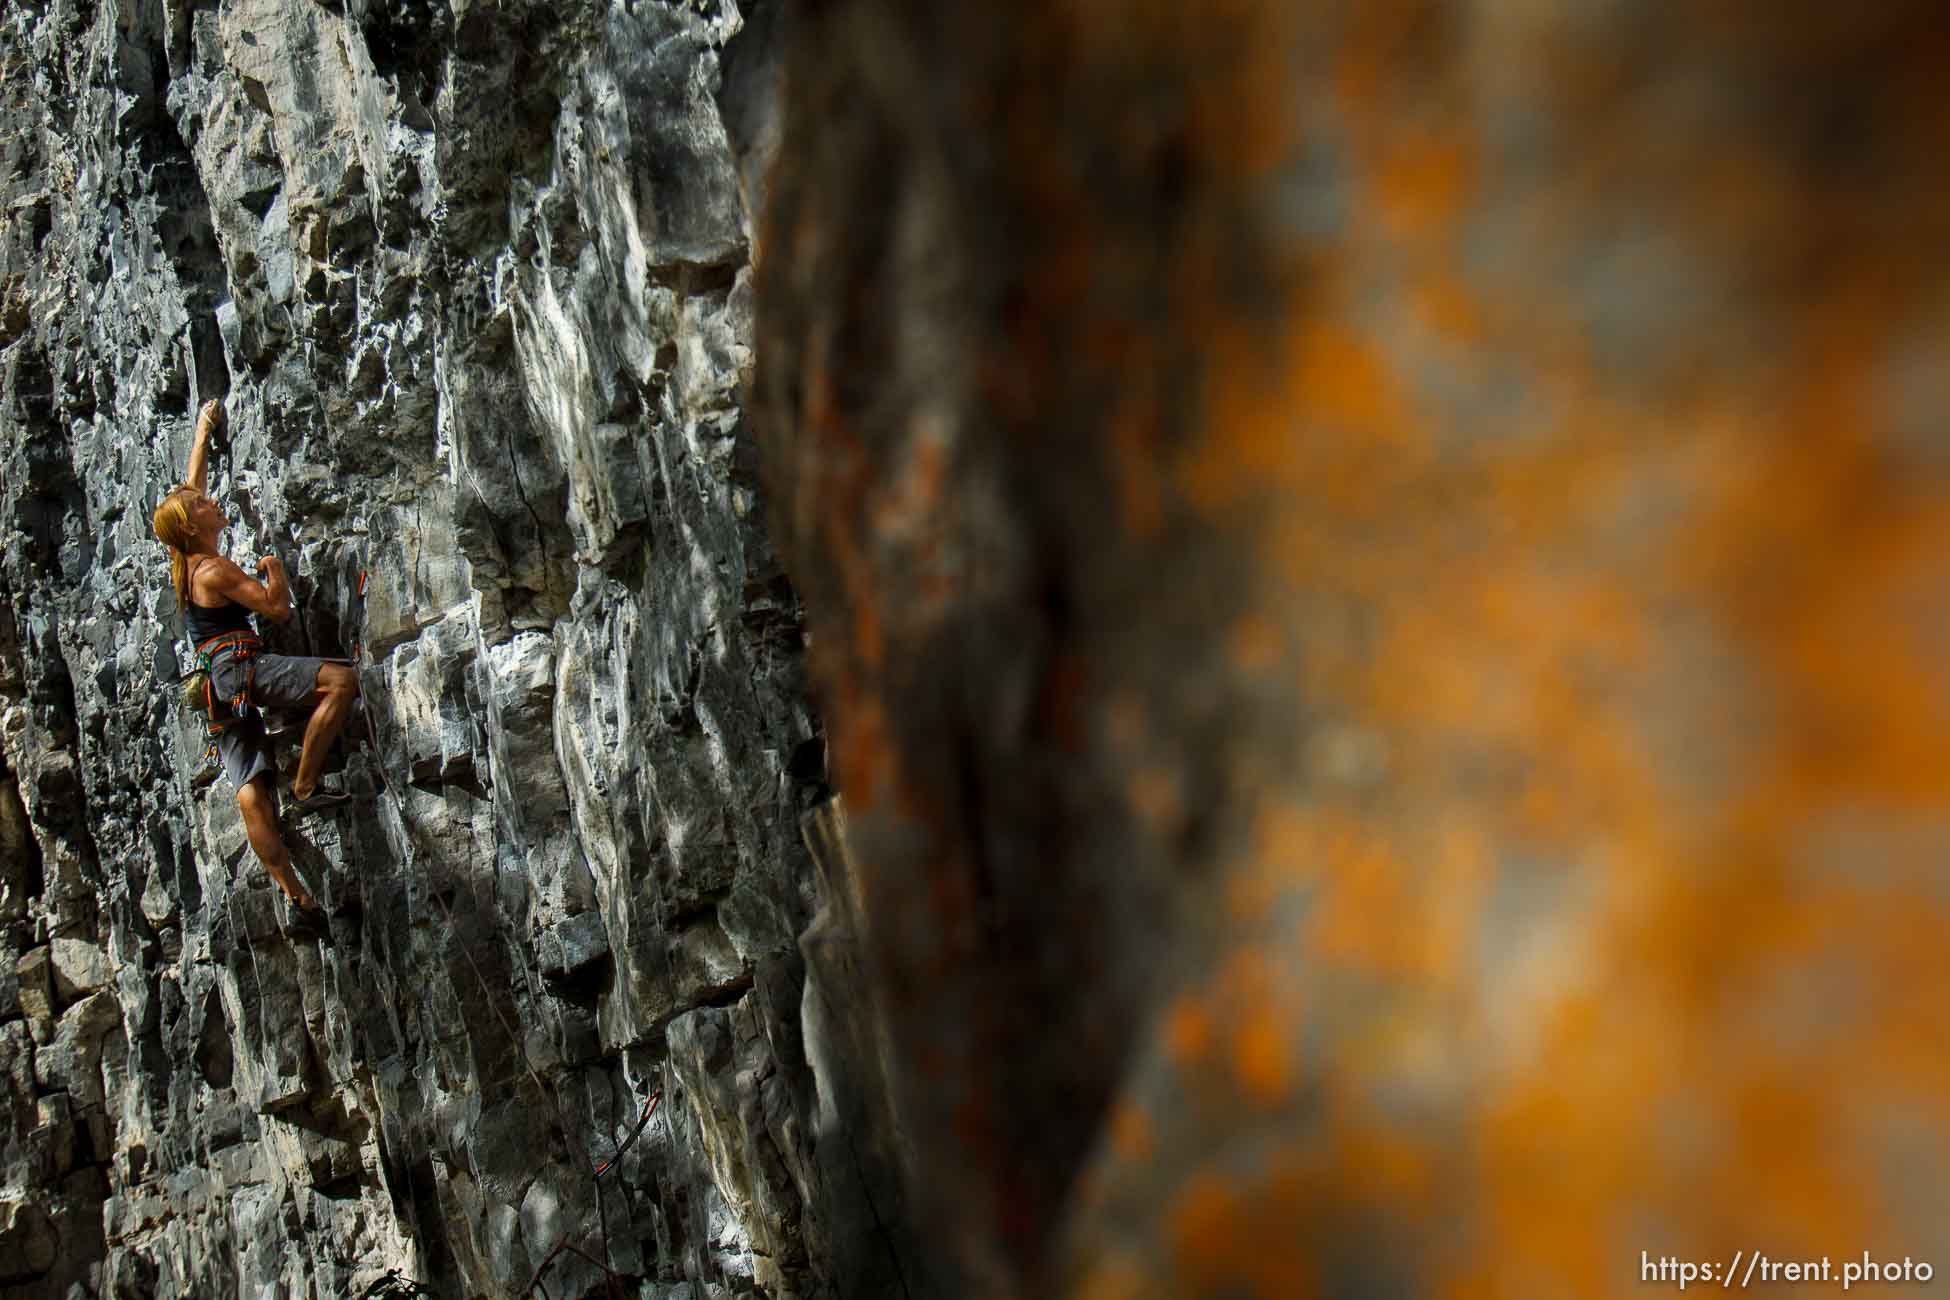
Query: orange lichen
[1251,895]
[1420,185]
[1254,644]
[1188,1031]
[863,760]
[1262,1055]
[1364,919]
[1448,308]
[1209,1231]
[1117,1278]
[1384,1167]
[1156,797]
[1132,1133]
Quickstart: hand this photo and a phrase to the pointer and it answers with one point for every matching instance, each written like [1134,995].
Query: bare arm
[208,421]
[271,598]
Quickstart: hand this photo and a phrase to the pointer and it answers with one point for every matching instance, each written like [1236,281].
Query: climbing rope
[563,1245]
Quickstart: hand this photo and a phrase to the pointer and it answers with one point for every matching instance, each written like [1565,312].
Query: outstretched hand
[212,421]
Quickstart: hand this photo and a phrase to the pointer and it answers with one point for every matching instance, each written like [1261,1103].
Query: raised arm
[208,421]
[271,598]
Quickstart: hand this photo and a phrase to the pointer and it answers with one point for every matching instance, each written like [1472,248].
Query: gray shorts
[281,681]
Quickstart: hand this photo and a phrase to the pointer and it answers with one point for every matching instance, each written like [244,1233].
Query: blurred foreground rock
[1377,576]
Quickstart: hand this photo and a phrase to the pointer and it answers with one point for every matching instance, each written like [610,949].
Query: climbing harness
[200,693]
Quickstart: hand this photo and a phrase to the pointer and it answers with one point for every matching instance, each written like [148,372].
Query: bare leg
[338,686]
[260,809]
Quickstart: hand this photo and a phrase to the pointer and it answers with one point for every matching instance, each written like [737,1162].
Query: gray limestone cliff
[475,282]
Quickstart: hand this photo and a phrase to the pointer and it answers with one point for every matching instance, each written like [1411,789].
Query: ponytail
[172,523]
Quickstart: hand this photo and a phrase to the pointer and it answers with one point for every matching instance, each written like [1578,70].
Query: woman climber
[216,599]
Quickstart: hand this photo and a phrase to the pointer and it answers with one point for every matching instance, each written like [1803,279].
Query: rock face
[475,282]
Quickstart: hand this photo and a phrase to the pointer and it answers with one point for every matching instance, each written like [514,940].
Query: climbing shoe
[322,799]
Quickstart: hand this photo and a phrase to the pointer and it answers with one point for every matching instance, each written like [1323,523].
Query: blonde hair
[174,530]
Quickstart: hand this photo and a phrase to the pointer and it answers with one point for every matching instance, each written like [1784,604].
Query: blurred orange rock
[1448,501]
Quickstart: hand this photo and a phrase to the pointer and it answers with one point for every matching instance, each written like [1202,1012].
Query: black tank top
[205,621]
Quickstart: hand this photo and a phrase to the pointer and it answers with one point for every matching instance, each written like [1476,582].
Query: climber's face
[205,514]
